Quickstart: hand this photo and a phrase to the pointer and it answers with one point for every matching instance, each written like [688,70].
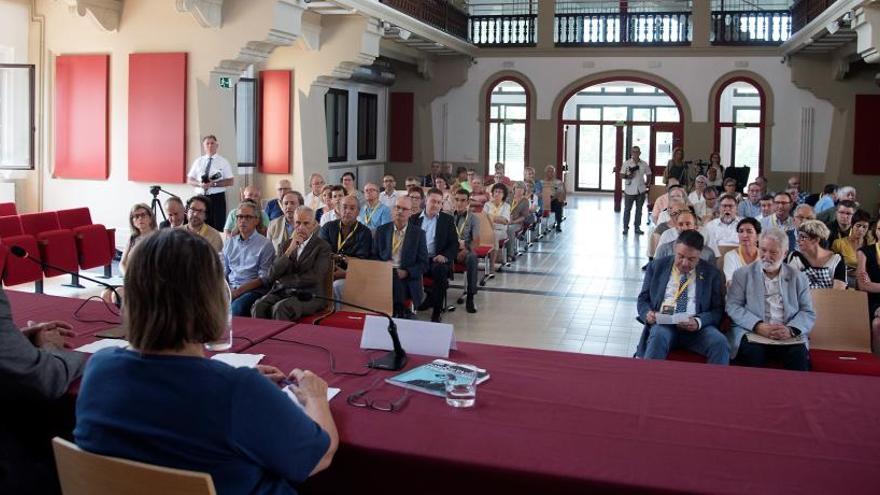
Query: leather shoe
[435,317]
[639,232]
[625,231]
[470,305]
[426,305]
[407,315]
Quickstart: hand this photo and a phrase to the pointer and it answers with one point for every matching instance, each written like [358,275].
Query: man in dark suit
[348,238]
[687,289]
[442,244]
[428,180]
[303,262]
[467,227]
[404,245]
[35,373]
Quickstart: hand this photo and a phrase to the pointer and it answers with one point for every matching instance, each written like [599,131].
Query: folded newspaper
[760,339]
[430,378]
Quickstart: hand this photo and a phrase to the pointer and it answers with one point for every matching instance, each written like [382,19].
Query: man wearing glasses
[781,217]
[468,228]
[274,208]
[636,175]
[196,212]
[247,258]
[404,245]
[313,197]
[722,230]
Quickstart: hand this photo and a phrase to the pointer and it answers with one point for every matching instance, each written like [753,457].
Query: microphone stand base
[391,361]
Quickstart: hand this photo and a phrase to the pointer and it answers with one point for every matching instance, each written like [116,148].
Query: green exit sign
[225,82]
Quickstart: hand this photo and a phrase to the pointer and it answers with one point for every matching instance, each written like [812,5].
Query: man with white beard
[770,300]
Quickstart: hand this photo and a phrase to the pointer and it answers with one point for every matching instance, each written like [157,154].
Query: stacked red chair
[19,270]
[8,209]
[57,246]
[95,244]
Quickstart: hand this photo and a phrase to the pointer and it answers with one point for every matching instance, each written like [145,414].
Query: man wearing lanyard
[373,213]
[442,244]
[681,304]
[211,174]
[636,176]
[467,227]
[781,219]
[404,245]
[196,210]
[348,238]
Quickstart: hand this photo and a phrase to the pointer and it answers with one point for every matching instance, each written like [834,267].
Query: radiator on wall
[808,122]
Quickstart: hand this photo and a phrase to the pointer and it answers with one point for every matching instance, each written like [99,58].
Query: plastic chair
[84,473]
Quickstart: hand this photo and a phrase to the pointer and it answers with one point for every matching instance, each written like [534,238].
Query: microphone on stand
[21,252]
[394,360]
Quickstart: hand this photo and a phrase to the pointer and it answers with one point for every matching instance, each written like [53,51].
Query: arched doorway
[740,120]
[507,133]
[600,123]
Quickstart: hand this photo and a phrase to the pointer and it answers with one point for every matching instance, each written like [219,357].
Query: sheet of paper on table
[101,344]
[673,319]
[760,339]
[331,393]
[238,360]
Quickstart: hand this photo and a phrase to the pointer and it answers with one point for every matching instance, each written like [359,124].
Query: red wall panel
[866,145]
[157,117]
[81,119]
[400,127]
[275,121]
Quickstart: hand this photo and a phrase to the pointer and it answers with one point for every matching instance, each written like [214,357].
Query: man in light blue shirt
[247,258]
[751,206]
[429,225]
[373,214]
[829,196]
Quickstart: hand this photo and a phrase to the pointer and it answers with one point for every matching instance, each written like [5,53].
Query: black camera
[154,190]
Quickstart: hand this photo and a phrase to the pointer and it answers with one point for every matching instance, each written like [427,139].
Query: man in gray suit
[35,371]
[770,299]
[303,263]
[468,228]
[683,286]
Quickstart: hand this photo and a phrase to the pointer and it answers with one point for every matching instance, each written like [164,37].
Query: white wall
[693,76]
[14,23]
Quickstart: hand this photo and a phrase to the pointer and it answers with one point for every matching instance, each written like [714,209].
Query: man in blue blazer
[403,244]
[683,284]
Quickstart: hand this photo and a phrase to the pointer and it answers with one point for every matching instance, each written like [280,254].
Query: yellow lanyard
[397,240]
[203,230]
[513,205]
[339,241]
[463,224]
[369,215]
[877,249]
[681,287]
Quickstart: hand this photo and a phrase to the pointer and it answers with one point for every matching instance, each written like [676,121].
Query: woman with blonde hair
[824,269]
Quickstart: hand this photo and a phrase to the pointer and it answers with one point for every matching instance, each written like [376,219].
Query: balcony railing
[503,30]
[754,27]
[438,13]
[804,11]
[623,28]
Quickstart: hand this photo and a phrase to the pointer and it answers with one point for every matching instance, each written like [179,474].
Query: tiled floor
[574,292]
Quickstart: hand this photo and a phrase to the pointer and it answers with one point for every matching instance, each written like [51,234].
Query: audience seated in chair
[781,217]
[771,299]
[467,226]
[333,208]
[824,269]
[662,202]
[685,221]
[708,209]
[428,180]
[557,194]
[751,206]
[175,212]
[142,223]
[748,230]
[281,229]
[519,217]
[275,208]
[845,193]
[349,183]
[674,193]
[348,238]
[683,284]
[404,245]
[252,194]
[389,194]
[498,211]
[723,231]
[868,279]
[373,213]
[163,402]
[302,263]
[729,187]
[247,257]
[441,241]
[848,247]
[839,227]
[314,198]
[197,212]
[479,196]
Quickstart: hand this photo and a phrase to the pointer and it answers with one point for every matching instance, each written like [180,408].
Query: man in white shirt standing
[211,174]
[722,230]
[636,176]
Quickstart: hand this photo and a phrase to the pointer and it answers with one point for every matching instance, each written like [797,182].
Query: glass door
[664,138]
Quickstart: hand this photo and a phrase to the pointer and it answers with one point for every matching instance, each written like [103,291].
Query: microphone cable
[332,357]
[112,309]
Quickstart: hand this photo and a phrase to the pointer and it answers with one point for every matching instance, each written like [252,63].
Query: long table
[553,422]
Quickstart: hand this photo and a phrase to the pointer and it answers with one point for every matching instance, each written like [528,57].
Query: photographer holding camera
[636,175]
[211,174]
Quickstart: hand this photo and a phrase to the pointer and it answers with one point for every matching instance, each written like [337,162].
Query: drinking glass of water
[461,389]
[224,343]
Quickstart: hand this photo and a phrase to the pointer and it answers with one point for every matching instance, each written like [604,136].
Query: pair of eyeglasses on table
[360,399]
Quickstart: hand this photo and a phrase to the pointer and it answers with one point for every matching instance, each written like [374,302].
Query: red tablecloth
[552,422]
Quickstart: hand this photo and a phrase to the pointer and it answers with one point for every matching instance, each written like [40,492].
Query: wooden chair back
[368,284]
[84,473]
[723,250]
[487,231]
[842,322]
[654,192]
[653,243]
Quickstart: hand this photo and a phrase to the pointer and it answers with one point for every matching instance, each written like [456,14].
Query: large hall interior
[653,223]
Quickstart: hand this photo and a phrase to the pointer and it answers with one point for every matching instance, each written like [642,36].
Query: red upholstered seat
[7,209]
[57,246]
[482,251]
[19,270]
[849,363]
[427,281]
[91,239]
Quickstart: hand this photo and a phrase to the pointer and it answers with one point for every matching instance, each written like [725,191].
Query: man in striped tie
[681,304]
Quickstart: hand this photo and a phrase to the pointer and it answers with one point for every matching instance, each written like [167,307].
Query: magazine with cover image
[430,378]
